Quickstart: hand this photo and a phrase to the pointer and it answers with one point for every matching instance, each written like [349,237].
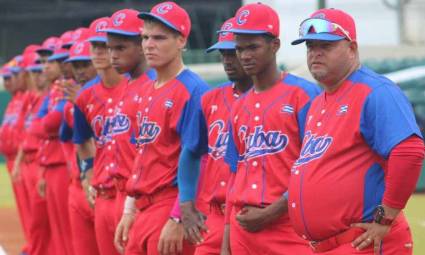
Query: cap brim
[44,50]
[318,37]
[75,59]
[15,69]
[148,15]
[35,68]
[67,45]
[59,56]
[246,31]
[119,32]
[225,45]
[97,39]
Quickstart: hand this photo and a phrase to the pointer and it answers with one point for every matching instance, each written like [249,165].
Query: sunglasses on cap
[321,26]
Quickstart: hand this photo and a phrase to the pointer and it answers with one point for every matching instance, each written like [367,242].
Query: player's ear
[181,42]
[275,44]
[353,49]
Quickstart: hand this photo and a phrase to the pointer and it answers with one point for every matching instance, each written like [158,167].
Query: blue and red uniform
[106,114]
[265,139]
[39,222]
[11,131]
[341,173]
[81,216]
[210,135]
[162,126]
[56,173]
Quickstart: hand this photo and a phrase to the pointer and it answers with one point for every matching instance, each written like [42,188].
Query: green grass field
[415,210]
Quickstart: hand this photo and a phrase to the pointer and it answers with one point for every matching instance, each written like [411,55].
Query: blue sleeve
[188,175]
[65,132]
[189,116]
[387,119]
[82,129]
[232,154]
[196,139]
[60,105]
[44,108]
[302,116]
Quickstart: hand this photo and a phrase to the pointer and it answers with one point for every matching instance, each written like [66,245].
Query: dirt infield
[11,236]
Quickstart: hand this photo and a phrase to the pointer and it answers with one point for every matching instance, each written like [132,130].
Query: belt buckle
[313,245]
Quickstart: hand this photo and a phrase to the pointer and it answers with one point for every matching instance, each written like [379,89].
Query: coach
[362,150]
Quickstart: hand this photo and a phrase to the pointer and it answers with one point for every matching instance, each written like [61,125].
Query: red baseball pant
[57,183]
[145,232]
[397,242]
[105,225]
[22,203]
[39,229]
[81,217]
[277,238]
[214,237]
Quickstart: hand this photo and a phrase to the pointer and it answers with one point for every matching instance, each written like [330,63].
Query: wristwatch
[379,216]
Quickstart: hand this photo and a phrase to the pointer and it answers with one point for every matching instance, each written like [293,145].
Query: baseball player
[95,118]
[165,109]
[55,174]
[9,143]
[80,213]
[266,130]
[362,150]
[210,135]
[124,44]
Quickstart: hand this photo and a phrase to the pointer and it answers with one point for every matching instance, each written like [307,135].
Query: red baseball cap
[80,51]
[30,62]
[48,46]
[59,53]
[29,56]
[14,64]
[31,48]
[80,34]
[226,39]
[256,19]
[66,39]
[125,22]
[5,71]
[171,15]
[327,25]
[96,29]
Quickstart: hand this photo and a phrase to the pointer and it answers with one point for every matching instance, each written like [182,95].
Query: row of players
[287,169]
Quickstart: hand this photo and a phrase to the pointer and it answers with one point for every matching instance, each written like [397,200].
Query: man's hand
[374,234]
[70,90]
[171,238]
[254,219]
[193,222]
[89,191]
[121,233]
[41,187]
[225,244]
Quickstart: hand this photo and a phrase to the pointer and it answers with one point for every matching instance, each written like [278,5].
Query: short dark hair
[136,39]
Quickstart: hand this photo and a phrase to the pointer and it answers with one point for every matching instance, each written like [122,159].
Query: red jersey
[339,177]
[211,135]
[105,114]
[162,123]
[266,134]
